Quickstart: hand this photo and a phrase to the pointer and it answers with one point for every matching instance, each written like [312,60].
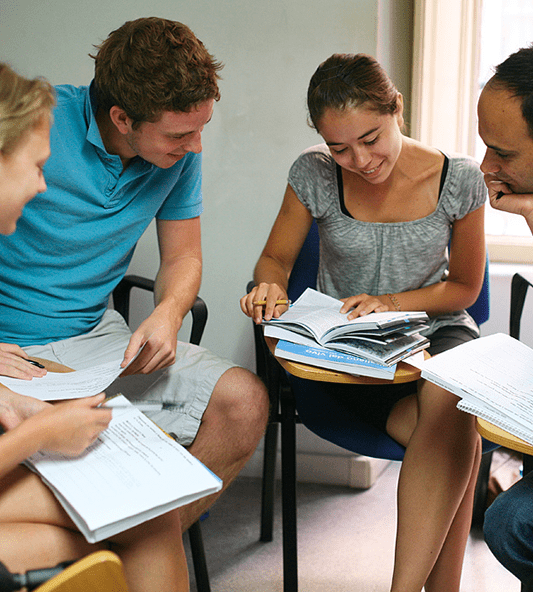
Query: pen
[263,302]
[142,405]
[35,363]
[500,193]
[153,406]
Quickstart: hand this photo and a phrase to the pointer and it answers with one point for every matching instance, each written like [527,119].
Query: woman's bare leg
[35,532]
[448,567]
[434,490]
[153,555]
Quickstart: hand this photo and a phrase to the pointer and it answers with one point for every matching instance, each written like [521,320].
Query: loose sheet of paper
[417,360]
[55,386]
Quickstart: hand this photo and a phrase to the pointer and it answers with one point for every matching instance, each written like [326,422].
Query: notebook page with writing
[493,376]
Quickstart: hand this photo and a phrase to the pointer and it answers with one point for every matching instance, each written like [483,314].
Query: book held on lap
[493,376]
[384,337]
[132,473]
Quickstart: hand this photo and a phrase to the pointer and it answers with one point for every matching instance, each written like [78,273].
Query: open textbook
[132,473]
[493,376]
[382,337]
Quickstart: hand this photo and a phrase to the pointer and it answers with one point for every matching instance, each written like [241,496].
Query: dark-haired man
[505,112]
[126,150]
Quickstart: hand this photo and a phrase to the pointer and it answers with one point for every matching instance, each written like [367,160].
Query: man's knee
[241,398]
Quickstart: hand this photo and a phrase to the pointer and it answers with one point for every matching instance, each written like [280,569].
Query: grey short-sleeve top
[376,258]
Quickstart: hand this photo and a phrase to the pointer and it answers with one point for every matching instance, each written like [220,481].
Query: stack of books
[315,332]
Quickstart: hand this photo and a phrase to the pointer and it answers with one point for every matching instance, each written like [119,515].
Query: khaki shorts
[185,388]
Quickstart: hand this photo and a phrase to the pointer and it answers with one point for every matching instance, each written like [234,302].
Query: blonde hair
[23,104]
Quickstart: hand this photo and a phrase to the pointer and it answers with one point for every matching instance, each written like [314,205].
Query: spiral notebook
[493,376]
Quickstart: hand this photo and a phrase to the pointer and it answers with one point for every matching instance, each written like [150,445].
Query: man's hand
[502,198]
[14,362]
[156,340]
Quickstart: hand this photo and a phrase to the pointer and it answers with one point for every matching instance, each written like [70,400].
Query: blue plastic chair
[362,438]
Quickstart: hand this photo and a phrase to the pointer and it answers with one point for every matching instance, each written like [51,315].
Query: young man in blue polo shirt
[126,150]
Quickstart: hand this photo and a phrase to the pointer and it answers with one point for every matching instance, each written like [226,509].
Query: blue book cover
[334,360]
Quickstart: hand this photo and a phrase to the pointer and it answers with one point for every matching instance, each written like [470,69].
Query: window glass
[507,25]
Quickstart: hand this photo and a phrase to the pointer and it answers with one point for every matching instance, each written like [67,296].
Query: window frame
[445,75]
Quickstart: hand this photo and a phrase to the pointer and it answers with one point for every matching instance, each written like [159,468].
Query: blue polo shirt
[74,242]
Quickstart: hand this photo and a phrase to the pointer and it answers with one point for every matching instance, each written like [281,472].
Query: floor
[345,540]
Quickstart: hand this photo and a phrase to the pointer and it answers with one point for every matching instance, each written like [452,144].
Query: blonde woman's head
[25,117]
[24,104]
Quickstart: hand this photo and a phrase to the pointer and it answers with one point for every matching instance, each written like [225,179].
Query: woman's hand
[268,293]
[70,427]
[362,305]
[14,362]
[15,408]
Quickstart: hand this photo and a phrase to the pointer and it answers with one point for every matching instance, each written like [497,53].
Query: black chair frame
[283,412]
[519,288]
[121,303]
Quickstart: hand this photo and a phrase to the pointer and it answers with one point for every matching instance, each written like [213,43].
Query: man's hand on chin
[502,198]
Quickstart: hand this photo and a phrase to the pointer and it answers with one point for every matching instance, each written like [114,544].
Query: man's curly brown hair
[151,65]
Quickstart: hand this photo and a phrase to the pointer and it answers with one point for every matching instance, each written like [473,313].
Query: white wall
[270,50]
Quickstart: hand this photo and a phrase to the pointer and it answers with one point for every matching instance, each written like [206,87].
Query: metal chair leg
[269,475]
[198,558]
[288,492]
[527,462]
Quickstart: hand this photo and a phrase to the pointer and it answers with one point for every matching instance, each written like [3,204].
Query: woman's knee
[438,410]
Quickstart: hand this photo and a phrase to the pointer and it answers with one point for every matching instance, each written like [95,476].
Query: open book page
[280,332]
[313,311]
[318,315]
[55,386]
[494,377]
[132,473]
